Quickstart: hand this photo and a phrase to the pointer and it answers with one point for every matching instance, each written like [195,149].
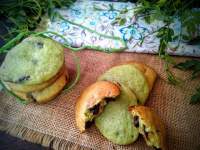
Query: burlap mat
[53,124]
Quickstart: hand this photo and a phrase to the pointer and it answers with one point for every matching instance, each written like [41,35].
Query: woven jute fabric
[53,124]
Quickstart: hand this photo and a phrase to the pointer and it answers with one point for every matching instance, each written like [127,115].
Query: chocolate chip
[109,99]
[88,124]
[145,133]
[39,45]
[136,121]
[157,131]
[95,109]
[118,84]
[157,148]
[23,78]
[29,95]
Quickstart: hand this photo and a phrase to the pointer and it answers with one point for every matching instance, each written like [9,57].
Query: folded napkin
[89,24]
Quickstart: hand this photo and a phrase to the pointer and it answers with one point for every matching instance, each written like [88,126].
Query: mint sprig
[193,65]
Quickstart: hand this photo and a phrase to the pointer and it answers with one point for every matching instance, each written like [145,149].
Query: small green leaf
[172,79]
[147,19]
[175,37]
[186,37]
[161,2]
[188,64]
[195,73]
[122,21]
[196,97]
[193,65]
[124,11]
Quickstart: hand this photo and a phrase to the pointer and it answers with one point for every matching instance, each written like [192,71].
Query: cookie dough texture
[33,61]
[43,95]
[150,126]
[130,76]
[34,70]
[36,87]
[91,96]
[148,72]
[115,122]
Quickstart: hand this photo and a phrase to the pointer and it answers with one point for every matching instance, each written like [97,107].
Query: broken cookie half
[92,101]
[150,126]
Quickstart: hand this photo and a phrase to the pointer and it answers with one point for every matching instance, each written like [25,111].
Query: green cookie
[115,122]
[33,61]
[131,77]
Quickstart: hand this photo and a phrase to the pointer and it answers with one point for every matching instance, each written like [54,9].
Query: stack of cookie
[115,102]
[34,70]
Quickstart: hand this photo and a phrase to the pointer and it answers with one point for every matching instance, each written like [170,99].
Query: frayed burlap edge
[39,138]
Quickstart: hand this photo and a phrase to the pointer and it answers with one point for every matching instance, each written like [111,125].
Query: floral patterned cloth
[91,24]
